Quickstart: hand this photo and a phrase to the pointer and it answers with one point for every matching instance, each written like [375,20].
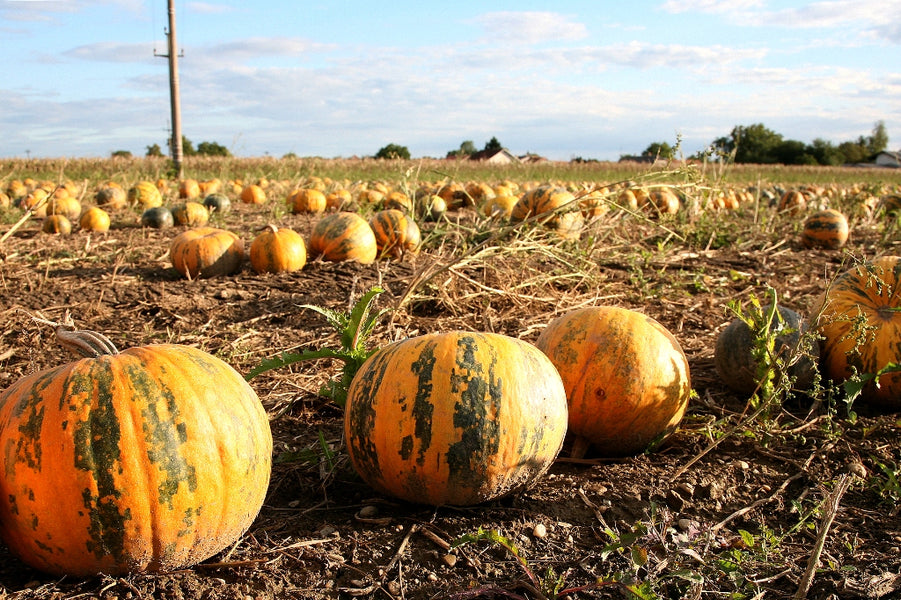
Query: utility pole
[175,143]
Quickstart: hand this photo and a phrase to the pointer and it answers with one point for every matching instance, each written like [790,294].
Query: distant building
[888,159]
[500,156]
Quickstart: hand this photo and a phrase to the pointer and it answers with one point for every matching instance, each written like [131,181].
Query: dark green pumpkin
[158,217]
[217,203]
[734,355]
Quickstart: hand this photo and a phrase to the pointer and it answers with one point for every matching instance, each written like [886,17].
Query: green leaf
[285,359]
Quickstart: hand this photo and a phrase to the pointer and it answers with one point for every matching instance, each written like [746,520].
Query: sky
[592,79]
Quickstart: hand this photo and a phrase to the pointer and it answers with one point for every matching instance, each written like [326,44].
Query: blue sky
[564,79]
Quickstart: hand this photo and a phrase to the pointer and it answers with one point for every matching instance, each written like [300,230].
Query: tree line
[758,144]
[745,144]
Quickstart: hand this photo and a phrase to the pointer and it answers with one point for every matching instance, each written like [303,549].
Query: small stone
[432,577]
[326,531]
[394,588]
[369,511]
[450,560]
[744,466]
[294,504]
[855,468]
[684,524]
[539,531]
[686,490]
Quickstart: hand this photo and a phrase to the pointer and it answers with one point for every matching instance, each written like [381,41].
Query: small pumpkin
[158,217]
[57,224]
[111,196]
[826,228]
[396,233]
[340,199]
[253,194]
[432,208]
[64,204]
[277,250]
[343,236]
[150,459]
[792,202]
[734,353]
[189,189]
[859,319]
[94,219]
[499,206]
[664,201]
[206,252]
[191,214]
[144,194]
[398,201]
[454,195]
[217,203]
[307,200]
[557,203]
[626,377]
[454,418]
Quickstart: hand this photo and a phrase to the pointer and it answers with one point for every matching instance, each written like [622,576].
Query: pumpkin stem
[88,344]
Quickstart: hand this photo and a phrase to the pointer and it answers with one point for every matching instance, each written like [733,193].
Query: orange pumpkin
[825,229]
[454,418]
[278,250]
[793,202]
[150,459]
[343,236]
[398,201]
[499,206]
[860,322]
[557,203]
[307,200]
[94,219]
[64,204]
[191,214]
[396,234]
[253,194]
[664,201]
[206,252]
[626,378]
[189,189]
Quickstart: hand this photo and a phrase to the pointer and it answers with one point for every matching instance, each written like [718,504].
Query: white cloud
[711,6]
[531,27]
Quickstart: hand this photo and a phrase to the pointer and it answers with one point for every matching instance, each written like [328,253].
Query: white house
[888,159]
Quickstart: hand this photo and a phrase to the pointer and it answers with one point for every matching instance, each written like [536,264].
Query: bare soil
[726,509]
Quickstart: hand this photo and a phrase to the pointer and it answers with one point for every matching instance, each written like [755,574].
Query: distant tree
[154,150]
[659,150]
[878,141]
[212,149]
[393,151]
[492,145]
[854,152]
[792,152]
[121,154]
[825,152]
[755,144]
[289,156]
[467,148]
[187,147]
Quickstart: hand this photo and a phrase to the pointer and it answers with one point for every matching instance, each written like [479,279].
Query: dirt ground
[726,509]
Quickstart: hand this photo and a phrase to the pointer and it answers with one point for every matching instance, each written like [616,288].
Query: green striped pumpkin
[343,236]
[454,418]
[825,229]
[151,459]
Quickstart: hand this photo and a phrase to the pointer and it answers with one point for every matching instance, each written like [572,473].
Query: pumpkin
[94,219]
[189,189]
[150,459]
[277,250]
[217,203]
[499,206]
[36,202]
[734,353]
[395,233]
[307,200]
[253,194]
[191,214]
[793,202]
[339,199]
[209,187]
[433,208]
[144,194]
[551,201]
[206,252]
[343,236]
[398,201]
[627,380]
[111,196]
[859,319]
[454,418]
[65,205]
[158,217]
[593,203]
[664,201]
[479,192]
[454,195]
[57,224]
[825,229]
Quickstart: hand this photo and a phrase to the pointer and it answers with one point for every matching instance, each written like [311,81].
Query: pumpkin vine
[355,328]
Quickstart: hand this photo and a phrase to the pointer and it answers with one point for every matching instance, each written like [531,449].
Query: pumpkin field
[610,380]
